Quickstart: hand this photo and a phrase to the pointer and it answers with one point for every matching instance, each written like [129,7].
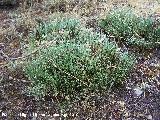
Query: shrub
[85,61]
[126,26]
[60,28]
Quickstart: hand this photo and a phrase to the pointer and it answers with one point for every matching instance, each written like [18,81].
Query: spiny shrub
[126,26]
[82,62]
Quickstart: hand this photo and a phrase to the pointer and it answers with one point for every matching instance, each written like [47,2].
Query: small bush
[81,62]
[126,26]
[61,28]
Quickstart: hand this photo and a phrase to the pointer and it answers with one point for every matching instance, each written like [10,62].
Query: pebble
[149,117]
[43,115]
[129,88]
[10,78]
[4,114]
[56,115]
[23,115]
[64,115]
[138,91]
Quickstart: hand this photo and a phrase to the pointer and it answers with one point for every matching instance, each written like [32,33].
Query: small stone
[138,91]
[64,115]
[149,117]
[121,103]
[56,115]
[4,114]
[24,115]
[43,115]
[126,114]
[128,88]
[10,78]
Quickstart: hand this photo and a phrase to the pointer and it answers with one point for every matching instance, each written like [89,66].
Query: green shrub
[58,29]
[85,61]
[126,26]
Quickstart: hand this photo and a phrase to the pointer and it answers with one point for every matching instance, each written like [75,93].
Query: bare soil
[138,99]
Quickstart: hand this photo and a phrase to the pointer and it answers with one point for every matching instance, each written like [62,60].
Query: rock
[65,115]
[56,115]
[43,115]
[24,115]
[138,91]
[4,114]
[149,117]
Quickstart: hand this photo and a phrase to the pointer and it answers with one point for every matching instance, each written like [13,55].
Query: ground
[138,99]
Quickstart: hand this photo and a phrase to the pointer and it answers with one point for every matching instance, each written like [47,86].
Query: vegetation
[127,27]
[8,2]
[79,61]
[79,68]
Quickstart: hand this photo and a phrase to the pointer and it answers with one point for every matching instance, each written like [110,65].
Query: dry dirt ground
[138,99]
